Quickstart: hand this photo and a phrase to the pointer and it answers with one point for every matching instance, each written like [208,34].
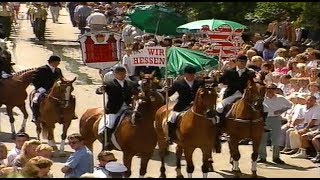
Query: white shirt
[97,18]
[286,88]
[312,64]
[13,153]
[240,71]
[126,62]
[310,114]
[275,103]
[52,68]
[190,83]
[120,82]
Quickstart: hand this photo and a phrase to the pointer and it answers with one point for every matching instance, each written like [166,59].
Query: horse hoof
[162,176]
[254,174]
[210,168]
[180,176]
[22,130]
[236,173]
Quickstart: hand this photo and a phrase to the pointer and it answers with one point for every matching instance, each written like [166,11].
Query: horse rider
[43,80]
[236,80]
[120,91]
[187,89]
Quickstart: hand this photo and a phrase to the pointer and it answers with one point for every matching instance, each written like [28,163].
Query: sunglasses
[272,88]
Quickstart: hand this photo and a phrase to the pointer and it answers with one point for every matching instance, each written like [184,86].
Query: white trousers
[228,100]
[111,118]
[39,91]
[55,12]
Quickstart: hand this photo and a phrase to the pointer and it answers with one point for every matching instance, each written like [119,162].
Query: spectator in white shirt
[126,62]
[274,105]
[294,120]
[311,122]
[285,85]
[19,140]
[313,58]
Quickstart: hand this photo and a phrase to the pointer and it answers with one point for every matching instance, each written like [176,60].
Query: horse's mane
[23,72]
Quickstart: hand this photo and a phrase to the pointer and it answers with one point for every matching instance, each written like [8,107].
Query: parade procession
[159,90]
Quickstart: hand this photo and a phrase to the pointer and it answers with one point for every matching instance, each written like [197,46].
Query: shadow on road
[229,174]
[285,166]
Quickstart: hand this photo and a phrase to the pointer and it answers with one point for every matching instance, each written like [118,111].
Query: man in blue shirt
[81,161]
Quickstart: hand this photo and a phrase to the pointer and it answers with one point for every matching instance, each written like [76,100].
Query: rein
[246,121]
[201,115]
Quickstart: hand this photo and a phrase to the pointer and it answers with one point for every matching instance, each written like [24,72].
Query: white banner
[150,56]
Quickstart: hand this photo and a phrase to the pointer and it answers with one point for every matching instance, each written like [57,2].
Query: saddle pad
[102,127]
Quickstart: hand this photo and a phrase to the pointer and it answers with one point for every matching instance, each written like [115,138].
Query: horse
[245,120]
[57,106]
[13,93]
[196,129]
[135,134]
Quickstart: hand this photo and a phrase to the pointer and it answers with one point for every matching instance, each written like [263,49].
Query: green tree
[234,11]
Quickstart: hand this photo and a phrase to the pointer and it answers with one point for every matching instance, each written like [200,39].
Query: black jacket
[117,94]
[235,82]
[186,94]
[44,77]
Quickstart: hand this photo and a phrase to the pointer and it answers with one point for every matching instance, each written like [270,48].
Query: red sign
[100,49]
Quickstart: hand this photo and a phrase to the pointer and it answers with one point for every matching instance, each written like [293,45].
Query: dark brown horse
[195,130]
[58,106]
[132,138]
[245,121]
[13,93]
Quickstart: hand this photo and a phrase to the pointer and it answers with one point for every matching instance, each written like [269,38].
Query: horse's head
[149,82]
[206,99]
[254,95]
[62,92]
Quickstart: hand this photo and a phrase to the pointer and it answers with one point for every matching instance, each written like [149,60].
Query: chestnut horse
[245,121]
[195,130]
[58,106]
[135,134]
[13,93]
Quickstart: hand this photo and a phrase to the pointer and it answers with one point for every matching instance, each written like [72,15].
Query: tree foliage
[302,13]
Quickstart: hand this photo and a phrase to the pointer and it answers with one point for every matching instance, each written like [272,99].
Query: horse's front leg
[235,155]
[188,155]
[254,155]
[51,141]
[25,117]
[206,151]
[64,136]
[179,152]
[127,160]
[11,119]
[145,157]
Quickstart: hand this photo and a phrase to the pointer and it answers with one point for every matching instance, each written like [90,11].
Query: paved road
[61,40]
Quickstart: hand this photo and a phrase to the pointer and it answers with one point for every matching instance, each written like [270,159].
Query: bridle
[63,102]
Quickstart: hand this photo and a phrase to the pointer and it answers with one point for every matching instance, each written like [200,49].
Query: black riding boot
[108,145]
[171,131]
[36,112]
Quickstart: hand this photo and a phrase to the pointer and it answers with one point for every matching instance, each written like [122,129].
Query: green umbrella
[156,19]
[178,58]
[212,23]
